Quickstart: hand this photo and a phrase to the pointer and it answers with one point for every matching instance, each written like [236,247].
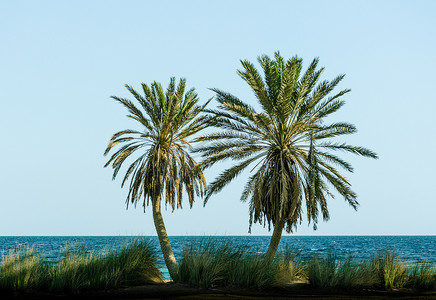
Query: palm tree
[162,166]
[287,145]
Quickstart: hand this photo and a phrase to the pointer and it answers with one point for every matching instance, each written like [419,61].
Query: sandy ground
[185,292]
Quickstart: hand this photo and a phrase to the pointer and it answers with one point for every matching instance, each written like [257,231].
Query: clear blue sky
[60,61]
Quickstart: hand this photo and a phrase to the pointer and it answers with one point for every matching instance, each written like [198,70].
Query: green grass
[422,276]
[329,272]
[210,265]
[23,269]
[134,264]
[390,269]
[384,271]
[291,267]
[206,265]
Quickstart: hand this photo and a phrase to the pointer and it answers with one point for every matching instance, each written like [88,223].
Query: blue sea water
[409,248]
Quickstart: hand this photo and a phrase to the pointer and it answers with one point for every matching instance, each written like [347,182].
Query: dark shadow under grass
[25,270]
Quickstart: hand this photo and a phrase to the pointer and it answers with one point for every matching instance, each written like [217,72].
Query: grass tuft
[390,270]
[134,264]
[329,272]
[22,269]
[384,271]
[291,268]
[209,265]
[422,275]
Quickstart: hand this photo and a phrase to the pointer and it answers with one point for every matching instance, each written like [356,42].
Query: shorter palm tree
[287,145]
[163,167]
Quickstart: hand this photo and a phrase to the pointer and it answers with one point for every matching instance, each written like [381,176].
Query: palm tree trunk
[165,245]
[275,240]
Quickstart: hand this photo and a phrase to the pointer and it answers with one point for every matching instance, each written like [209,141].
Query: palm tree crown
[162,166]
[287,145]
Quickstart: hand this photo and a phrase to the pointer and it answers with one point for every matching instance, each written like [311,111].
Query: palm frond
[287,138]
[168,118]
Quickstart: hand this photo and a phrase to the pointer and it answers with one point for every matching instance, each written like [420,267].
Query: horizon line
[221,235]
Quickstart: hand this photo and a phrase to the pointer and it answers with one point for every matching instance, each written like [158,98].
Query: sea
[408,248]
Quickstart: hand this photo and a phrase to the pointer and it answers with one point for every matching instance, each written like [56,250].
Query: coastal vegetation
[208,265]
[287,144]
[385,271]
[290,149]
[162,166]
[24,269]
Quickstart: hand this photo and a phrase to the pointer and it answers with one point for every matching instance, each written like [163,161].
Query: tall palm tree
[162,165]
[286,145]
